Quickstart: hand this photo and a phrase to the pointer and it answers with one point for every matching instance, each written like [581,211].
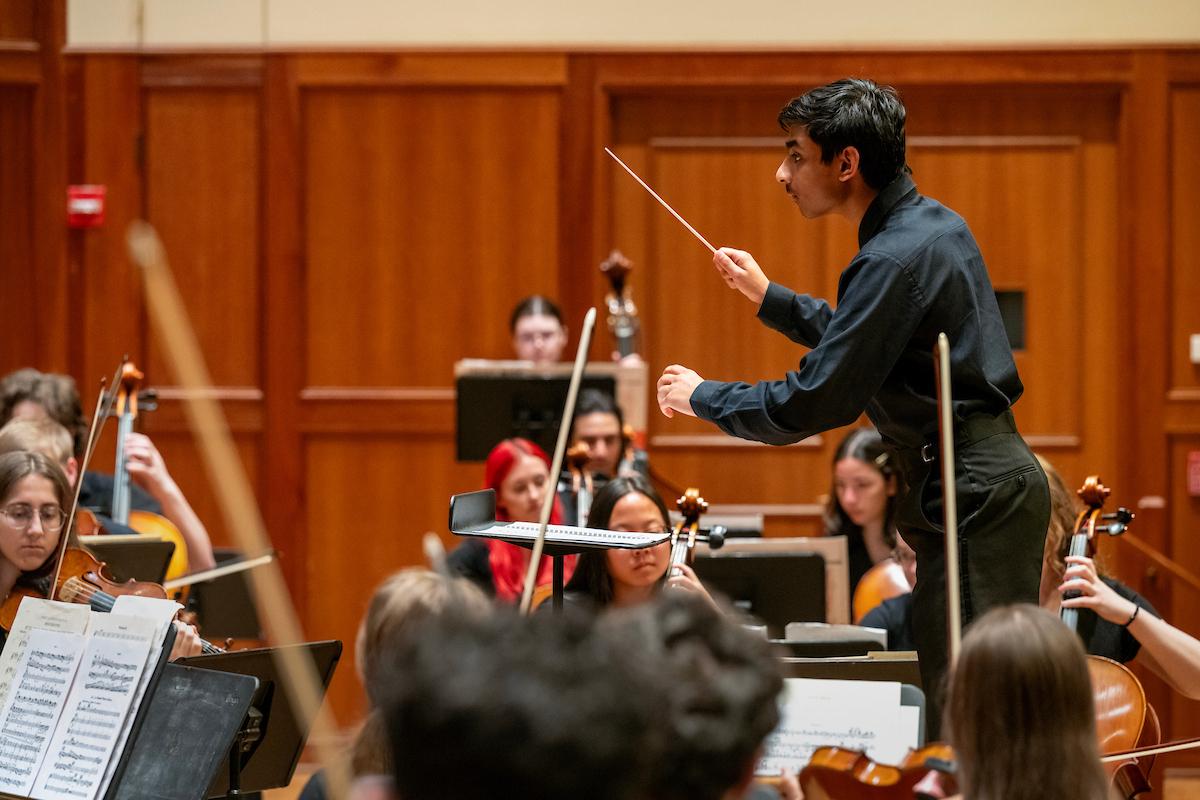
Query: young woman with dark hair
[628,577]
[862,501]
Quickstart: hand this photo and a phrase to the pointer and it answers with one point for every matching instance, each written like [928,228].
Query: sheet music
[162,614]
[567,534]
[33,613]
[858,715]
[96,710]
[29,717]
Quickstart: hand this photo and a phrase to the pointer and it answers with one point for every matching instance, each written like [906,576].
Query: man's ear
[848,163]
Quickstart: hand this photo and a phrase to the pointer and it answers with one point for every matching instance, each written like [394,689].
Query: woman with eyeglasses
[33,495]
[628,577]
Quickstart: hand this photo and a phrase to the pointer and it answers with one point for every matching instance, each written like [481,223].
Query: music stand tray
[267,747]
[474,514]
[191,721]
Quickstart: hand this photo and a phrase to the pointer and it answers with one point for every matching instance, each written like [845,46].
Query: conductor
[918,272]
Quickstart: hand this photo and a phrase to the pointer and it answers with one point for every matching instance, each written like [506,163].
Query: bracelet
[1132,616]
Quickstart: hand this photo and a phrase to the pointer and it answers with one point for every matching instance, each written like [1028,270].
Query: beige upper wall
[628,23]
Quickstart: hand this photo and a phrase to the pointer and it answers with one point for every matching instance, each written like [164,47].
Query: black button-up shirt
[918,272]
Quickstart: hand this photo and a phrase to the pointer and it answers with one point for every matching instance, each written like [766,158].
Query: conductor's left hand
[675,389]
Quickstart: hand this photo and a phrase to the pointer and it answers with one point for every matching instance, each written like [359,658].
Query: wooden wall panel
[202,178]
[346,226]
[370,502]
[18,20]
[19,300]
[428,215]
[1185,240]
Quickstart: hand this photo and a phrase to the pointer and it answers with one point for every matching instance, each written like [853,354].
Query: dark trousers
[1003,512]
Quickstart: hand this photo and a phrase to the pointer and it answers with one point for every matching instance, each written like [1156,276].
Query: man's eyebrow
[790,143]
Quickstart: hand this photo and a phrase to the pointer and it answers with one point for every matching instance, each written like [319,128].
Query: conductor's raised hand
[739,269]
[675,389]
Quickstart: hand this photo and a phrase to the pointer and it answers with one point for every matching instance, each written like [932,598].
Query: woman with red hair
[519,471]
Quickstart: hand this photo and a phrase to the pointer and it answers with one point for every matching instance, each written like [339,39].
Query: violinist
[619,577]
[862,500]
[34,493]
[519,472]
[1115,621]
[29,394]
[1020,711]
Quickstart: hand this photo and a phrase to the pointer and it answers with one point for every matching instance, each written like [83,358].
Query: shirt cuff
[702,397]
[776,307]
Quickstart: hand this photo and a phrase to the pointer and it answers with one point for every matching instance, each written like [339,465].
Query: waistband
[966,433]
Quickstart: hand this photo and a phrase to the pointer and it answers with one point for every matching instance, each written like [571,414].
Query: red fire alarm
[85,205]
[1193,473]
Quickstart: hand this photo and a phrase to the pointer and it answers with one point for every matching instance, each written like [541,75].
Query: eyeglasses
[20,516]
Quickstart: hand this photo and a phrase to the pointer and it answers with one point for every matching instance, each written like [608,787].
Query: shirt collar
[887,199]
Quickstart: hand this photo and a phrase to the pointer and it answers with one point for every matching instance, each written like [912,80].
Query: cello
[1122,712]
[686,533]
[126,403]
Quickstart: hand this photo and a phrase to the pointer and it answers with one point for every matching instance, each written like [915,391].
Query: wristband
[1132,616]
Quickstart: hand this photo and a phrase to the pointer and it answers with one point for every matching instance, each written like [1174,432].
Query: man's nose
[781,173]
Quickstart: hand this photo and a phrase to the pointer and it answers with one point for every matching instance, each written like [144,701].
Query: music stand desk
[474,514]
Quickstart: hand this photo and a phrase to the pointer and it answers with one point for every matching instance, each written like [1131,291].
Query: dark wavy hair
[591,578]
[723,684]
[866,445]
[54,392]
[858,113]
[538,707]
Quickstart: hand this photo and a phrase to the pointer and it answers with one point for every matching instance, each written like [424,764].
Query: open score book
[71,681]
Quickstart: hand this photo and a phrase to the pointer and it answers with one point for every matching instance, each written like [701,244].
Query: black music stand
[140,558]
[491,408]
[271,736]
[181,729]
[191,721]
[777,588]
[474,514]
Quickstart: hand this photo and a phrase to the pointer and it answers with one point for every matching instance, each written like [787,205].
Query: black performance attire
[918,272]
[893,615]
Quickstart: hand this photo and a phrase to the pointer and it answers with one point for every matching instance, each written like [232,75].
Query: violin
[1121,706]
[835,773]
[622,313]
[883,581]
[126,402]
[91,593]
[686,532]
[77,564]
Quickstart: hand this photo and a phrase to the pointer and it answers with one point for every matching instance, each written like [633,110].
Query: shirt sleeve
[800,317]
[876,316]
